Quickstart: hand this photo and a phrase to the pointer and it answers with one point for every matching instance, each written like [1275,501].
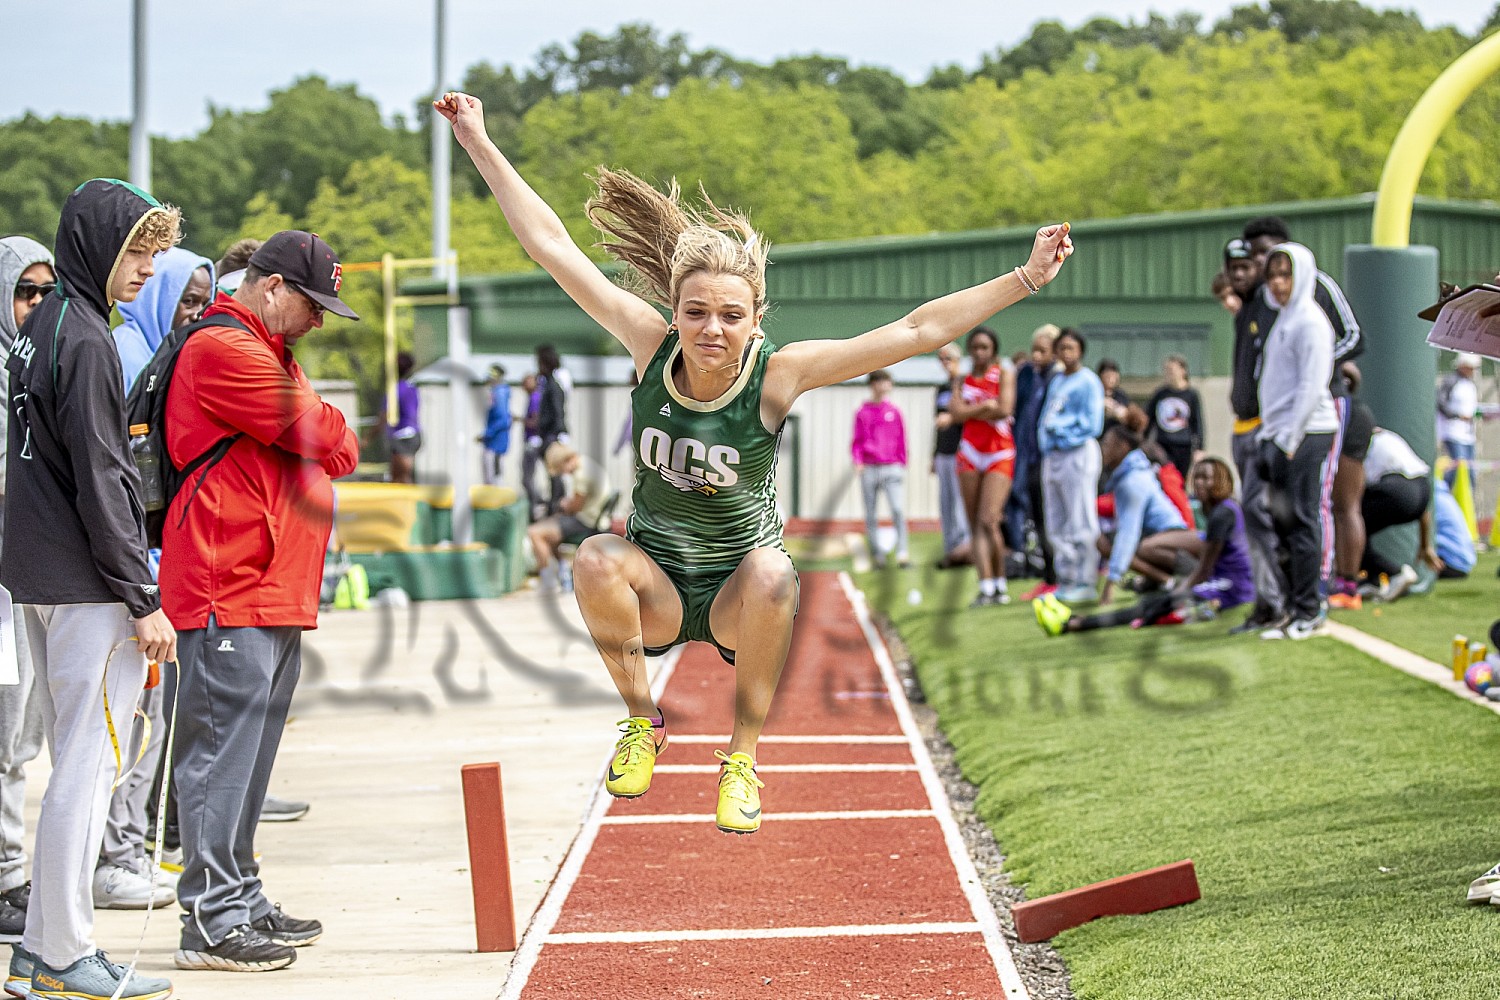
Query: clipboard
[9,667]
[1468,321]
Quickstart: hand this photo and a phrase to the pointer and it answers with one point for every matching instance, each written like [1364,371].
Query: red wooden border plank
[489,858]
[1140,892]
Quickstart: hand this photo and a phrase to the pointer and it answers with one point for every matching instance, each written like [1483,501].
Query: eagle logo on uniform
[686,481]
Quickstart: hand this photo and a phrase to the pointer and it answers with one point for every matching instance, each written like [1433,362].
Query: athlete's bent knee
[772,575]
[599,557]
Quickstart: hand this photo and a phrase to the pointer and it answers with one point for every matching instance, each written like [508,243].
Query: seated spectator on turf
[1349,531]
[1296,435]
[1176,414]
[1219,577]
[241,569]
[1454,544]
[175,296]
[1072,418]
[1142,509]
[878,450]
[578,514]
[1116,400]
[1398,490]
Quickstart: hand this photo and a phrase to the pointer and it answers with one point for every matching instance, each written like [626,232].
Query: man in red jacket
[242,562]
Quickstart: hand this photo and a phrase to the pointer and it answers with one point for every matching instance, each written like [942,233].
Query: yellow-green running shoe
[1051,614]
[739,795]
[635,757]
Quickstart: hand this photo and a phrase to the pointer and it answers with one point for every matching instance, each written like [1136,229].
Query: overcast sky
[73,56]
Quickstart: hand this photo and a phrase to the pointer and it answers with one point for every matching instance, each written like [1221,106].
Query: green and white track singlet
[705,480]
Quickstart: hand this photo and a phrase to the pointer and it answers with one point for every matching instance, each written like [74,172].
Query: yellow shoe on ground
[635,757]
[739,795]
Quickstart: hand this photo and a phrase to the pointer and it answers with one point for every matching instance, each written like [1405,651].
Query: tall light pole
[140,138]
[459,376]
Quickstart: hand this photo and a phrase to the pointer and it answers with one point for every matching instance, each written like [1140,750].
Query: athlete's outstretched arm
[633,323]
[813,363]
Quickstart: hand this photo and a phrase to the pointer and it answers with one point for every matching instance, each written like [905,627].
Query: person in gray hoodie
[1298,422]
[26,276]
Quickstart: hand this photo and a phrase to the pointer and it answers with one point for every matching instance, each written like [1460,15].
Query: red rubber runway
[857,884]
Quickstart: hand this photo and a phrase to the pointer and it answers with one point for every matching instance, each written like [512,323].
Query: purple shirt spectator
[879,435]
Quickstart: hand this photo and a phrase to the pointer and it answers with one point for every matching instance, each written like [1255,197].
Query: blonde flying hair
[663,241]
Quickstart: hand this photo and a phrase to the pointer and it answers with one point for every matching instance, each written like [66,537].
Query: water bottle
[153,496]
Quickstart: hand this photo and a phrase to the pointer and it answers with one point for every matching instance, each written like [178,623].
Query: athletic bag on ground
[146,405]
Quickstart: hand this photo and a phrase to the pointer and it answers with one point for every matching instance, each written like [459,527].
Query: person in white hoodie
[1298,422]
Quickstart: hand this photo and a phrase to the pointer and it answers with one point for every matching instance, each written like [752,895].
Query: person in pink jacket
[879,452]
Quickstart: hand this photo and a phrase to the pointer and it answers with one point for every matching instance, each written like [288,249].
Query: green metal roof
[1132,272]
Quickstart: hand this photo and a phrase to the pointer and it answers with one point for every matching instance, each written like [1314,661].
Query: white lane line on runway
[775,817]
[741,934]
[831,740]
[1408,662]
[546,916]
[968,875]
[788,768]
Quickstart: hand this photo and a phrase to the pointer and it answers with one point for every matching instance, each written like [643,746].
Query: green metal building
[1138,286]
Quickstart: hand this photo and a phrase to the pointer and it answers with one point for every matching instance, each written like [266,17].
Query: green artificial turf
[1426,623]
[1336,808]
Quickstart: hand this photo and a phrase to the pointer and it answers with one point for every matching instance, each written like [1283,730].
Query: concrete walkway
[391,705]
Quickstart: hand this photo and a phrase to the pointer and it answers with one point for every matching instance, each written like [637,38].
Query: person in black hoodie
[74,561]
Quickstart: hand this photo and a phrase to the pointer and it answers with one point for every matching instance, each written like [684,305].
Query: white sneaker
[1397,586]
[1482,888]
[1306,628]
[117,888]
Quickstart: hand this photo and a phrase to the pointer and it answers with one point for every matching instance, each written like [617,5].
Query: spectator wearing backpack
[172,298]
[74,561]
[242,561]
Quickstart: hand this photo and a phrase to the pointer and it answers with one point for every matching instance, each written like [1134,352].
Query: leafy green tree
[44,159]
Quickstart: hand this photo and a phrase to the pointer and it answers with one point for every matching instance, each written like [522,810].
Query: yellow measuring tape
[121,772]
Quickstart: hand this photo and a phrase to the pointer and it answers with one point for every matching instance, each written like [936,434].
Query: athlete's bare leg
[982,542]
[753,615]
[994,490]
[627,603]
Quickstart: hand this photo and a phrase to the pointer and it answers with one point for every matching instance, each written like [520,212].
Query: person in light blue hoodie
[1071,421]
[1142,508]
[175,296]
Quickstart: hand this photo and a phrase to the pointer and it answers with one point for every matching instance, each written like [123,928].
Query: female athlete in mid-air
[702,557]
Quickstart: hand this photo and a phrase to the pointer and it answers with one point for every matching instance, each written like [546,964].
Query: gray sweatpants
[131,805]
[20,742]
[235,689]
[1070,496]
[950,503]
[70,647]
[1260,532]
[890,480]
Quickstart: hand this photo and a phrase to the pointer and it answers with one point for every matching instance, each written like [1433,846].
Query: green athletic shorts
[697,590]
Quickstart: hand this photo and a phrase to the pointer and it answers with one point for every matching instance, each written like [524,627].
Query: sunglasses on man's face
[31,290]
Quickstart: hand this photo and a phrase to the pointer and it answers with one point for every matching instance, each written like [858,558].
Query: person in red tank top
[984,400]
